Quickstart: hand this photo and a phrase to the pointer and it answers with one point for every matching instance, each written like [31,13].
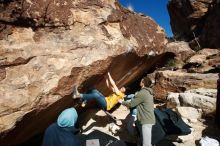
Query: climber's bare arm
[112,83]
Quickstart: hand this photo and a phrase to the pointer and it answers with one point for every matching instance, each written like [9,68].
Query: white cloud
[130,7]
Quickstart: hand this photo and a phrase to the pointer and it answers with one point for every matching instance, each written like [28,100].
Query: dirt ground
[95,119]
[95,124]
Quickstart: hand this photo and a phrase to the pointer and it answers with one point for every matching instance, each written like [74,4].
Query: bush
[171,62]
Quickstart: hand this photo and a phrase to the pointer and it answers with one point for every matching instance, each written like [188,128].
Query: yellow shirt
[113,99]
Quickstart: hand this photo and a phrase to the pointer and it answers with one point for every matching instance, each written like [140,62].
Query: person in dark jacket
[62,132]
[217,117]
[143,100]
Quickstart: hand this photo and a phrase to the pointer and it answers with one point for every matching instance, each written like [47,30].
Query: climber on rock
[106,103]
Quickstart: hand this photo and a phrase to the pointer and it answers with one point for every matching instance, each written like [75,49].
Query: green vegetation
[171,62]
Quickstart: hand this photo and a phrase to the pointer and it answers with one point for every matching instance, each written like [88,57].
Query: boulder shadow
[104,139]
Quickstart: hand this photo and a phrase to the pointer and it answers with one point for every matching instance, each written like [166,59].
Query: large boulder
[210,36]
[179,81]
[47,47]
[201,98]
[181,49]
[206,103]
[197,18]
[202,55]
[205,60]
[190,113]
[182,52]
[187,16]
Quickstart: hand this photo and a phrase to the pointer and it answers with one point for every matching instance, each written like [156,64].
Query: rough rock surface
[179,81]
[201,56]
[205,60]
[206,103]
[172,100]
[199,130]
[204,91]
[190,113]
[187,16]
[210,36]
[201,98]
[47,47]
[181,49]
[193,115]
[200,17]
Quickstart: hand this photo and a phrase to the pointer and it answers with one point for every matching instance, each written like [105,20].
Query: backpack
[171,122]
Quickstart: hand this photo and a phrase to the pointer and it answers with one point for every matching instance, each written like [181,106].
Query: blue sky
[156,9]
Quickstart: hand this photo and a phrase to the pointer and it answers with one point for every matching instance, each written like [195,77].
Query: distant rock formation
[210,36]
[181,49]
[188,70]
[48,46]
[204,61]
[197,18]
[178,81]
